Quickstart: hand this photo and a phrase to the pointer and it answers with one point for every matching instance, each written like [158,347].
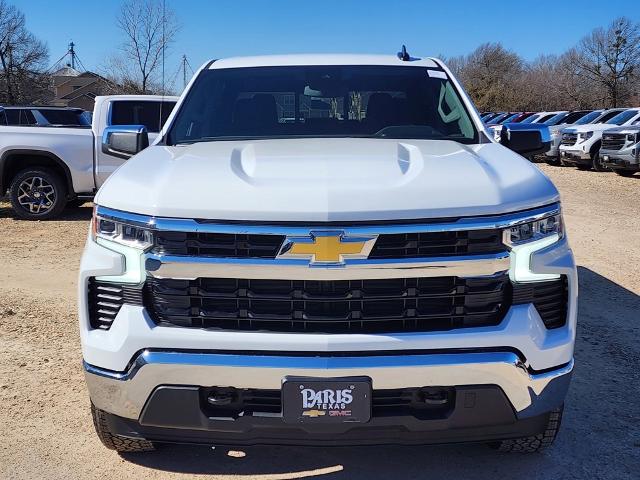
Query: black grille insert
[399,246]
[346,306]
[232,245]
[613,141]
[423,403]
[569,139]
[433,244]
[105,300]
[550,299]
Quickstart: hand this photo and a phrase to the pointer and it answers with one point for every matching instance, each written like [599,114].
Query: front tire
[555,161]
[595,162]
[37,194]
[537,442]
[116,442]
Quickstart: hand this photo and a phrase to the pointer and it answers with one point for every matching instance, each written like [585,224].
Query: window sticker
[436,74]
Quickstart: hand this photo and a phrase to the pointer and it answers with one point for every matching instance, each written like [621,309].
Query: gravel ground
[46,430]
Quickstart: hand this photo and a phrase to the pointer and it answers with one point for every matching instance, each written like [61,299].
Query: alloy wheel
[36,195]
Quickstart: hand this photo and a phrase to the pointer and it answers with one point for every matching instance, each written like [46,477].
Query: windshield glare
[556,119]
[530,118]
[322,101]
[623,117]
[589,117]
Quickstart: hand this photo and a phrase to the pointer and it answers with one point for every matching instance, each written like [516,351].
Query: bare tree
[488,74]
[148,31]
[22,57]
[610,58]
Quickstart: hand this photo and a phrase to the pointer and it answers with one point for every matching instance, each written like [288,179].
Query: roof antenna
[403,55]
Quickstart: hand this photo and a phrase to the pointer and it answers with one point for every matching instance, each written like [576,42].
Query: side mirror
[527,140]
[124,141]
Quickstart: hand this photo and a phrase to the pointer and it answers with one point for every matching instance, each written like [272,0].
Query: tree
[22,57]
[610,58]
[148,32]
[488,74]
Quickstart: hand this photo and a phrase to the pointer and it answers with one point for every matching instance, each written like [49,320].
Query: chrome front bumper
[624,158]
[575,154]
[125,393]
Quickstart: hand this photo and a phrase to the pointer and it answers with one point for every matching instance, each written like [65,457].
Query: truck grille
[429,244]
[346,306]
[613,141]
[231,245]
[569,139]
[105,300]
[397,246]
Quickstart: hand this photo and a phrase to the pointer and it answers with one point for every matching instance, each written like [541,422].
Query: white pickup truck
[580,144]
[46,168]
[327,249]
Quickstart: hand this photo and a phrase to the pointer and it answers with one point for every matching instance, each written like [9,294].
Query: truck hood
[319,180]
[590,127]
[624,129]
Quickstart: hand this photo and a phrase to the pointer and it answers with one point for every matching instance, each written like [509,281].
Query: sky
[222,28]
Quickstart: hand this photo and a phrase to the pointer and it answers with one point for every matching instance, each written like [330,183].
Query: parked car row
[587,139]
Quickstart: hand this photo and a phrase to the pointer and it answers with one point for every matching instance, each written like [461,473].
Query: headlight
[631,137]
[120,232]
[533,231]
[526,239]
[584,136]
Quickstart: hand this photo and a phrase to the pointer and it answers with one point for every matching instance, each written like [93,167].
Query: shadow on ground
[82,213]
[599,438]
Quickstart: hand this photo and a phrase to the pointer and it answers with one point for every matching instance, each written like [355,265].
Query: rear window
[151,114]
[20,116]
[63,117]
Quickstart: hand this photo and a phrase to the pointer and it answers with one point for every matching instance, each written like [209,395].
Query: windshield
[589,117]
[556,119]
[531,118]
[322,101]
[499,118]
[623,117]
[510,117]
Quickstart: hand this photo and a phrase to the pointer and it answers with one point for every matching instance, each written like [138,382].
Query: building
[75,89]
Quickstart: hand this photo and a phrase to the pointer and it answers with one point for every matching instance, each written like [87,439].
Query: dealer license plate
[326,400]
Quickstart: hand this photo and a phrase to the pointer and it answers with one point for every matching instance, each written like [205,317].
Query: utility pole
[72,54]
[184,71]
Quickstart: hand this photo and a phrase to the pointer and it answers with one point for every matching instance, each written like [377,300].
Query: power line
[73,56]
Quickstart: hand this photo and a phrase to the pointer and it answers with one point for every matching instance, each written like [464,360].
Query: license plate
[326,400]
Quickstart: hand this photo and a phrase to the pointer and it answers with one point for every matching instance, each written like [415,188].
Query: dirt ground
[46,430]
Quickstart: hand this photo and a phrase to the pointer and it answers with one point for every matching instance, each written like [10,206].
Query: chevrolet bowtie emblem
[327,247]
[313,413]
